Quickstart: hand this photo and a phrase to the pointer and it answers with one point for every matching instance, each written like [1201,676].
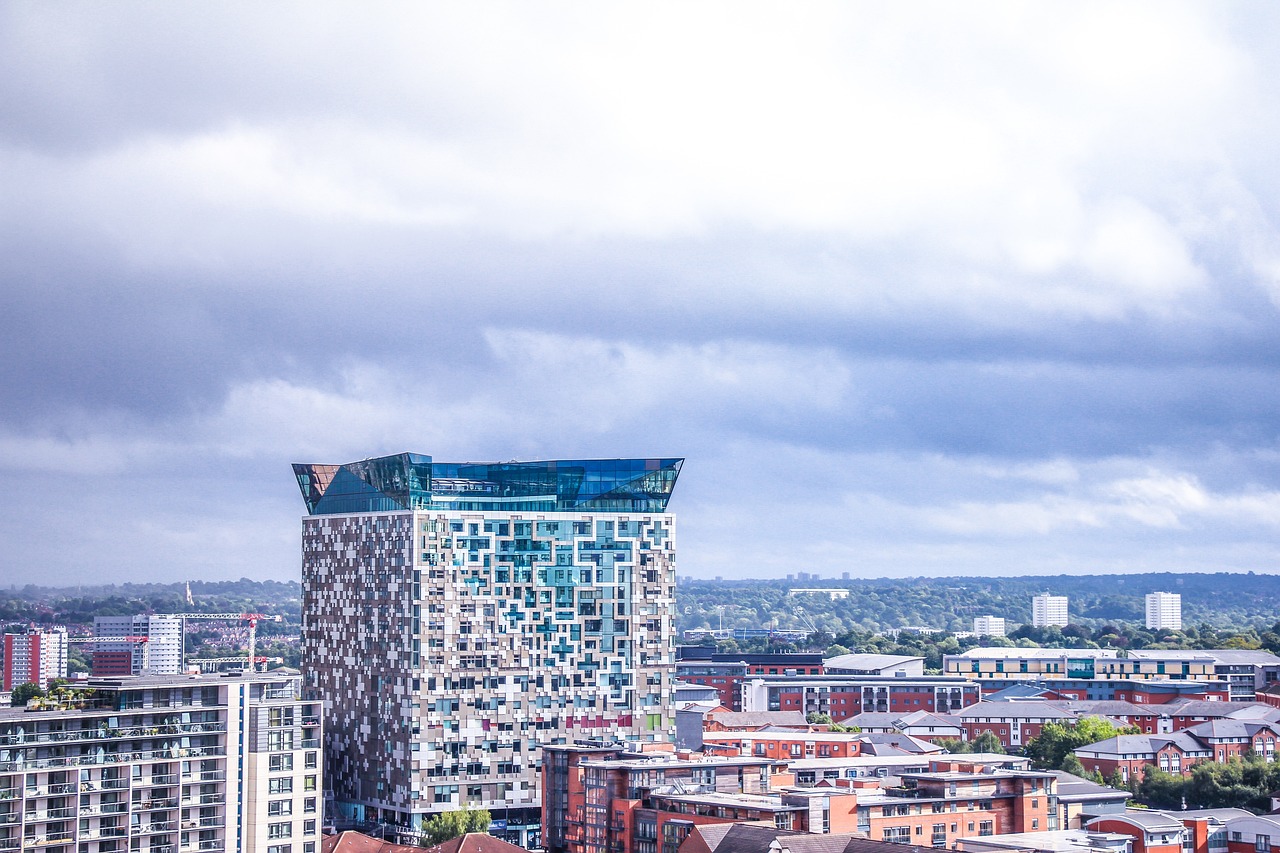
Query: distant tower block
[1164,610]
[1048,610]
[988,626]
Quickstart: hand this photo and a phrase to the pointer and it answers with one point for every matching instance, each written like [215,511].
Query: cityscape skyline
[984,290]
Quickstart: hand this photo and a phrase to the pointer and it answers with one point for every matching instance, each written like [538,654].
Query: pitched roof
[898,740]
[1107,708]
[750,719]
[739,837]
[1015,710]
[358,842]
[476,842]
[1073,789]
[1144,744]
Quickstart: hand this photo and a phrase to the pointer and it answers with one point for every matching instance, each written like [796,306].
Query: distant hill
[1235,601]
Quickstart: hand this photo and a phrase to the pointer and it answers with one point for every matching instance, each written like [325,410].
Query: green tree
[441,827]
[987,742]
[817,718]
[1057,739]
[1161,789]
[955,746]
[24,693]
[1072,765]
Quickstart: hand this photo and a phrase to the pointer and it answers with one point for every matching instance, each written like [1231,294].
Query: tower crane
[252,618]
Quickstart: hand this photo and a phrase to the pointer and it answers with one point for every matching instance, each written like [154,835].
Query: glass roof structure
[413,481]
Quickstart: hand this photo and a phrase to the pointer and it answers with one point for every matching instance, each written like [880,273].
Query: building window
[280,763]
[309,804]
[986,828]
[275,808]
[1262,844]
[280,830]
[277,741]
[312,760]
[280,786]
[280,848]
[309,783]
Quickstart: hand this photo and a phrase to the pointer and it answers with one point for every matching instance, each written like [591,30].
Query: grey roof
[1149,819]
[897,740]
[1021,710]
[1144,744]
[874,719]
[1016,691]
[1073,789]
[1206,708]
[739,837]
[1227,728]
[1219,815]
[864,662]
[928,718]
[1107,707]
[1254,657]
[844,843]
[1015,652]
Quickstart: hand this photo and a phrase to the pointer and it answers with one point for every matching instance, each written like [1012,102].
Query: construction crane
[252,618]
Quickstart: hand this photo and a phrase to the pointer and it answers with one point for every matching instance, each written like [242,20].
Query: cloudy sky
[915,288]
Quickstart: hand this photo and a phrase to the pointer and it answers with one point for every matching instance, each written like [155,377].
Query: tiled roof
[358,842]
[750,719]
[739,837]
[476,842]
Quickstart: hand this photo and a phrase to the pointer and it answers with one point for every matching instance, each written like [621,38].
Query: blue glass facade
[408,481]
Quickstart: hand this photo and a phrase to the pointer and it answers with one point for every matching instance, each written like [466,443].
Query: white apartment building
[36,657]
[1164,610]
[988,626]
[458,616]
[1048,610]
[148,644]
[162,764]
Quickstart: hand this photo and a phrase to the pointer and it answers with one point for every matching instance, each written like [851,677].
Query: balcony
[51,814]
[152,805]
[10,844]
[33,841]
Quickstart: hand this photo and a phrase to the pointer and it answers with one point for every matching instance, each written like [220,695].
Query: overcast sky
[916,288]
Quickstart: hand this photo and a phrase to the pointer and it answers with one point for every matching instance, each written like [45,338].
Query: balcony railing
[110,758]
[129,732]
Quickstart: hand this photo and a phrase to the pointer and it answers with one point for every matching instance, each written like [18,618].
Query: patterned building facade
[458,617]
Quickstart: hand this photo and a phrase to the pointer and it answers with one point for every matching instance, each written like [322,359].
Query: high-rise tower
[1164,610]
[457,616]
[1048,610]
